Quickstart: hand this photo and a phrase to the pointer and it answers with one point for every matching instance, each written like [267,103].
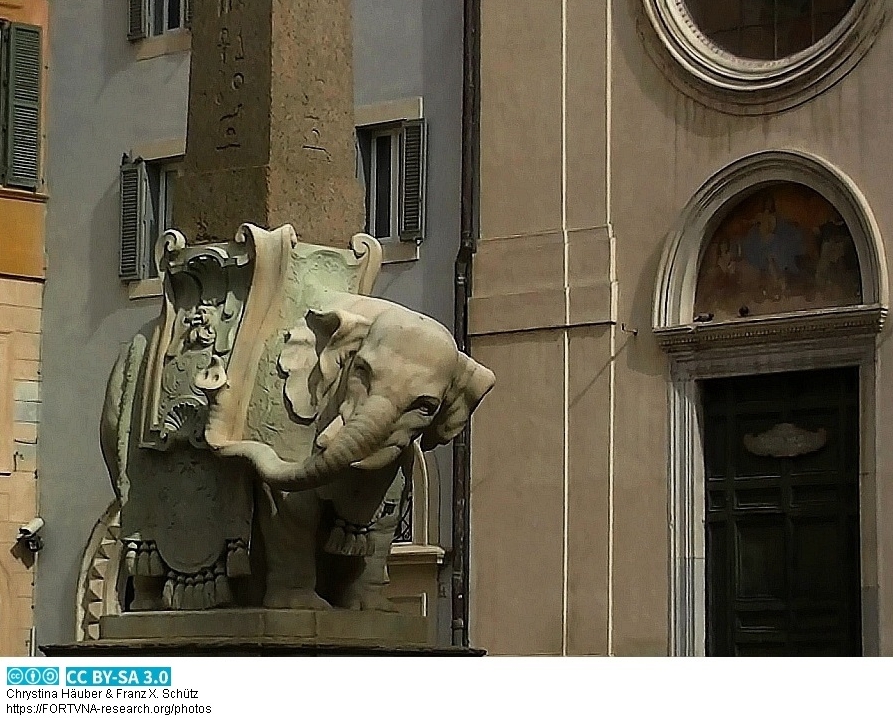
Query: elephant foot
[147,604]
[368,601]
[295,598]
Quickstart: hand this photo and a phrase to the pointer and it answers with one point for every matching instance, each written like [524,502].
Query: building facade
[121,93]
[23,206]
[681,285]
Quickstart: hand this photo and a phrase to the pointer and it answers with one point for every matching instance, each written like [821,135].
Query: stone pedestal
[258,631]
[335,627]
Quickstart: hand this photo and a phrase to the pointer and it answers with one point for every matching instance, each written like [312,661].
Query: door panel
[782,514]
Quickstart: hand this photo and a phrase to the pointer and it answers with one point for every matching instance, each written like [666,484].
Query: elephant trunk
[361,436]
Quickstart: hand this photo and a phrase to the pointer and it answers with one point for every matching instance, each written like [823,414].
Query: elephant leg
[364,578]
[289,523]
[147,591]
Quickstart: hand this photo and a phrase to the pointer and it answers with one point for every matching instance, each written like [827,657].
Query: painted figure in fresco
[784,248]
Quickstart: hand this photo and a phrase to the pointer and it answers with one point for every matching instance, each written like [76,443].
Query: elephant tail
[117,414]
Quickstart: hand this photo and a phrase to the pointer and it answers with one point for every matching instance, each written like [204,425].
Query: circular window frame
[715,77]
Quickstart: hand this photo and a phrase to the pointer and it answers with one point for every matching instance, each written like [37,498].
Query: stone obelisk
[270,136]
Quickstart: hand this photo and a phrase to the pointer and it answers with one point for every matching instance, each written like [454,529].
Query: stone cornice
[837,322]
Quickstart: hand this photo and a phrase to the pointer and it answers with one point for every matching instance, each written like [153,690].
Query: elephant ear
[296,361]
[470,384]
[338,335]
[313,355]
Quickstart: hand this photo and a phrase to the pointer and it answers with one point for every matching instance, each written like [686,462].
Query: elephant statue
[274,404]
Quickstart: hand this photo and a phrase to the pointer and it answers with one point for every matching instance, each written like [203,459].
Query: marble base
[335,627]
[257,632]
[185,647]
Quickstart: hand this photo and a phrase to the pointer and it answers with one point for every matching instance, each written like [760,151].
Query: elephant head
[372,385]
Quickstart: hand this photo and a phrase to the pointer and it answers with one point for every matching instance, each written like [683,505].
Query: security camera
[28,534]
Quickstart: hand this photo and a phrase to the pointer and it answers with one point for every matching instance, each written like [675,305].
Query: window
[147,197]
[756,57]
[20,47]
[392,167]
[767,29]
[150,18]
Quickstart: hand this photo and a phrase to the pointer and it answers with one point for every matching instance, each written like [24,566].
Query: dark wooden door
[782,514]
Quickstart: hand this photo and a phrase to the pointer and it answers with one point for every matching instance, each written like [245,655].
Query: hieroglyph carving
[231,47]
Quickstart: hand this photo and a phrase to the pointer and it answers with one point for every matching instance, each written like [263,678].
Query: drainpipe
[462,292]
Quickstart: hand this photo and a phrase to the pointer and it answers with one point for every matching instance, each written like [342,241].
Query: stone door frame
[686,472]
[796,341]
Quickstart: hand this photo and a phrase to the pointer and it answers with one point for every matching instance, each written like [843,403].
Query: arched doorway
[770,296]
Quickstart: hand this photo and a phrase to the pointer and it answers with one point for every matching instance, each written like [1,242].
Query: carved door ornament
[786,441]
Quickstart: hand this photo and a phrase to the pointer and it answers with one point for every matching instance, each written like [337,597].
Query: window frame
[21,106]
[395,182]
[142,15]
[163,6]
[701,69]
[408,177]
[153,207]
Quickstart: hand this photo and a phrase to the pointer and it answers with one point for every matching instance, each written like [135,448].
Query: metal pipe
[462,292]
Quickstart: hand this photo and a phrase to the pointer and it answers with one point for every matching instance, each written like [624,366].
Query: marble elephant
[379,382]
[260,434]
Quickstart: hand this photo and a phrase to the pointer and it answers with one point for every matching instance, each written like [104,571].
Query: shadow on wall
[106,294]
[647,359]
[117,51]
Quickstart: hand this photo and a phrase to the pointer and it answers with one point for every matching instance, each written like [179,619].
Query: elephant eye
[426,405]
[362,371]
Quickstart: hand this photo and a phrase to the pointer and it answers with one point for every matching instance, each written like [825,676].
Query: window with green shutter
[147,198]
[21,105]
[392,167]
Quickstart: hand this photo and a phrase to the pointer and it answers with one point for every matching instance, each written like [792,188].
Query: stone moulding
[860,321]
[736,85]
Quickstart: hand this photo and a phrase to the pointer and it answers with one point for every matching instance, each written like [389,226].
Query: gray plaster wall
[103,102]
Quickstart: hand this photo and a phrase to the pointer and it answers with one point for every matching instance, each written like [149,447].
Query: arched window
[775,245]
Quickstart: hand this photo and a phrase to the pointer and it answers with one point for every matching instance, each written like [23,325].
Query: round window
[760,56]
[766,29]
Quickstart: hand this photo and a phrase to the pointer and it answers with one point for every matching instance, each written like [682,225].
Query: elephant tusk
[379,459]
[326,435]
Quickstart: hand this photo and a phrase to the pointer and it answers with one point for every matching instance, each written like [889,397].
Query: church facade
[681,284]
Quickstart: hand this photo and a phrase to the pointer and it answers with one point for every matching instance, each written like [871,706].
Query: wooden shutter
[134,185]
[412,180]
[187,13]
[137,19]
[23,107]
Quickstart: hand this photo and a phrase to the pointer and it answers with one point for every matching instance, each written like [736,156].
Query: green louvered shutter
[23,107]
[137,19]
[187,13]
[133,228]
[412,180]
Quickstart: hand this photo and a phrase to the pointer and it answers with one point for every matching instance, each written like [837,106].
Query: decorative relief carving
[205,301]
[786,441]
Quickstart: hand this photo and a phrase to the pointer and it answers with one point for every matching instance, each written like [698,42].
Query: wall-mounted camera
[29,534]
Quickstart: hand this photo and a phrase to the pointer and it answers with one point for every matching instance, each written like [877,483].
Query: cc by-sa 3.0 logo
[32,676]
